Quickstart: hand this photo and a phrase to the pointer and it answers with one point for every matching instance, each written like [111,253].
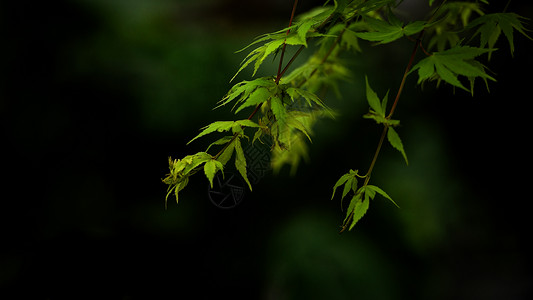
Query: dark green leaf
[384,32]
[350,183]
[373,100]
[492,25]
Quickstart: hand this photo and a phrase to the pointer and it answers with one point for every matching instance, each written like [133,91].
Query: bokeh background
[96,94]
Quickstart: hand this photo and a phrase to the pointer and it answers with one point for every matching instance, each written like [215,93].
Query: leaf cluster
[181,169]
[361,197]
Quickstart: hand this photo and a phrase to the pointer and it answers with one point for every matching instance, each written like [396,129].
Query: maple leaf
[449,64]
[385,32]
[492,25]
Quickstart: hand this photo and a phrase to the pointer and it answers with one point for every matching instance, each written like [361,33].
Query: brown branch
[280,73]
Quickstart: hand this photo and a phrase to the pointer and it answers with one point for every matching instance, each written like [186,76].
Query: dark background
[97,94]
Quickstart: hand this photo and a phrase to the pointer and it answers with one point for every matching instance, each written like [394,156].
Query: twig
[280,72]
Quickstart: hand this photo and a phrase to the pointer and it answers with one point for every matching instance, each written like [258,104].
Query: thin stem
[411,60]
[278,78]
[398,94]
[376,154]
[407,69]
[506,6]
[236,134]
[280,73]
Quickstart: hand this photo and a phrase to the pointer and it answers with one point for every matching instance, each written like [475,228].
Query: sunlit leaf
[240,162]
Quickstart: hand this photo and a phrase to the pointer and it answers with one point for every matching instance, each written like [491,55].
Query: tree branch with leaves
[454,38]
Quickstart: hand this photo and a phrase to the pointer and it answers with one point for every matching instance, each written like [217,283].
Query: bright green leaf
[259,96]
[225,156]
[381,192]
[210,169]
[396,142]
[240,162]
[221,126]
[279,110]
[221,141]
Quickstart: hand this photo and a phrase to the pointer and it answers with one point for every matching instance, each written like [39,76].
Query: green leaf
[240,161]
[176,188]
[210,169]
[247,123]
[348,186]
[384,32]
[259,96]
[298,35]
[279,110]
[220,126]
[350,41]
[340,182]
[375,189]
[381,119]
[492,25]
[193,161]
[244,89]
[451,63]
[180,186]
[350,183]
[225,156]
[351,207]
[396,142]
[359,210]
[221,141]
[309,97]
[373,100]
[303,29]
[293,122]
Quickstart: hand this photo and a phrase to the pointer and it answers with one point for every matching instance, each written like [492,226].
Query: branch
[280,72]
